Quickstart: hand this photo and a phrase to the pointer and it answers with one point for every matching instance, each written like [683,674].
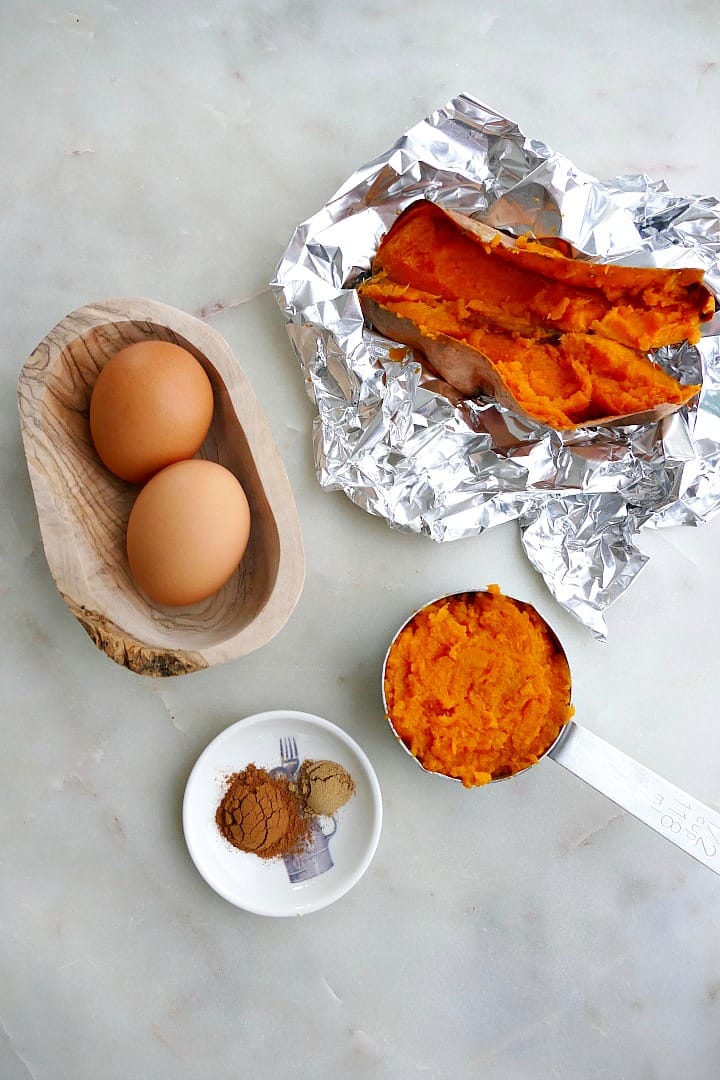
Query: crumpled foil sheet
[402,445]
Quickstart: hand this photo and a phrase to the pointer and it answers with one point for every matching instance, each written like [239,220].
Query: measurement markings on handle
[677,816]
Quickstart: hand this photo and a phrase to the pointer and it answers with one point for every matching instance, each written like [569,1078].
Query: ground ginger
[477,687]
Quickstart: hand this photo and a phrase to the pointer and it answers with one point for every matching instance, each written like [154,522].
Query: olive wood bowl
[83,509]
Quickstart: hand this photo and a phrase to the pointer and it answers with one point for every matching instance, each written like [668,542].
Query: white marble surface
[528,930]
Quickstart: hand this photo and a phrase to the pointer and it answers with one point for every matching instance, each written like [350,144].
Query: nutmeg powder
[261,814]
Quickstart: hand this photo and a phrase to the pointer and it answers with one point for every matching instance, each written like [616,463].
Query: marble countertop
[531,929]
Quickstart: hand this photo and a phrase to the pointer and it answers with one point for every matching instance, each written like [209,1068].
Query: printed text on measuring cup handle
[677,816]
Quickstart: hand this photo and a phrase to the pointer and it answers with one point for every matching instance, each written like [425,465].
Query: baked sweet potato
[560,340]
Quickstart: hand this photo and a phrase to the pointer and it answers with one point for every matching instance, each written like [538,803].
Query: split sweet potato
[560,340]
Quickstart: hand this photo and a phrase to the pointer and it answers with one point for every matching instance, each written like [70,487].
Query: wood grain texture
[83,509]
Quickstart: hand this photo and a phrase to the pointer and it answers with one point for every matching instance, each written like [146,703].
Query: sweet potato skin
[465,368]
[472,373]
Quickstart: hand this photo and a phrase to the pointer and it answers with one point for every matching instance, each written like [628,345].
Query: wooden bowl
[83,509]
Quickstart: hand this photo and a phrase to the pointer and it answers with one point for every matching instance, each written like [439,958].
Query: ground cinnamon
[261,814]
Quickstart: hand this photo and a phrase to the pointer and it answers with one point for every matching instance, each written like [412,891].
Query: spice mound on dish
[477,687]
[562,340]
[324,786]
[260,813]
[270,815]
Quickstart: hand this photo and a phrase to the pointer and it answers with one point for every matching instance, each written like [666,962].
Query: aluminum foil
[403,445]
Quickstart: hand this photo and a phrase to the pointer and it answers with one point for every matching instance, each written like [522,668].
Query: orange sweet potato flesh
[561,340]
[477,686]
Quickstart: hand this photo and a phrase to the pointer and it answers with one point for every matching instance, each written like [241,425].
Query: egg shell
[151,405]
[187,532]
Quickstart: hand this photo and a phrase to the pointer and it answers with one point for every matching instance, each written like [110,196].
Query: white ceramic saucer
[342,847]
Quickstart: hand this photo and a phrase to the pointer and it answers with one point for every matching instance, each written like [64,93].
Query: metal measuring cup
[688,823]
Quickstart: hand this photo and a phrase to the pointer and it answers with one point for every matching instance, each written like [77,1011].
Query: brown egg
[151,405]
[187,532]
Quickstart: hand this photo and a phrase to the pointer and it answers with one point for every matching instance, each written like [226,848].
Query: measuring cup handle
[679,817]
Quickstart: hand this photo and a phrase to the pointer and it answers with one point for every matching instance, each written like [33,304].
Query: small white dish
[342,847]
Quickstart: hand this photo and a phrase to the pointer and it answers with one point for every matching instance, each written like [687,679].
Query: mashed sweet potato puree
[476,686]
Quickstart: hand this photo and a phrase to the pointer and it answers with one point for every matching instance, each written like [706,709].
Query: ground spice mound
[476,686]
[324,786]
[261,814]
